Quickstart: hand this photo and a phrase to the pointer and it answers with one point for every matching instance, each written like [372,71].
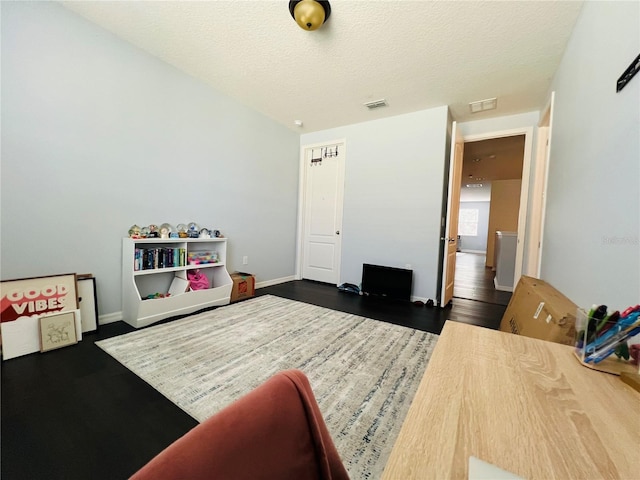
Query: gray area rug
[364,373]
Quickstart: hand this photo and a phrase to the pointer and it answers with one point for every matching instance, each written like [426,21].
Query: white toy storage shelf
[138,282]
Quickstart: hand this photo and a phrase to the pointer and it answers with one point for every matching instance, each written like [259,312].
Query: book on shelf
[150,258]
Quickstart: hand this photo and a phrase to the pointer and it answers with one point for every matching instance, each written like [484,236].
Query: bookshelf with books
[155,283]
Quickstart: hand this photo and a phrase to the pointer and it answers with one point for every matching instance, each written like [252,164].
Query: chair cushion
[274,432]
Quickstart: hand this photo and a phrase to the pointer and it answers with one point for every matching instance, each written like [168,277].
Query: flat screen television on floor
[390,282]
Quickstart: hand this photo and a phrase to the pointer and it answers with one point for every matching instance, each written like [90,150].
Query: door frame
[524,188]
[302,194]
[539,194]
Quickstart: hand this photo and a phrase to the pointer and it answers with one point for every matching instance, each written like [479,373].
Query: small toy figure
[193,230]
[153,296]
[182,230]
[165,230]
[134,231]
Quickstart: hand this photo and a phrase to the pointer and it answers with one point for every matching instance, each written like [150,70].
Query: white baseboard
[109,318]
[464,250]
[275,281]
[421,299]
[500,287]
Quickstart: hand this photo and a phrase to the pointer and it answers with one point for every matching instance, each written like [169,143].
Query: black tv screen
[388,282]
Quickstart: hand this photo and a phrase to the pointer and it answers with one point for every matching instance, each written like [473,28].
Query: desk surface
[524,405]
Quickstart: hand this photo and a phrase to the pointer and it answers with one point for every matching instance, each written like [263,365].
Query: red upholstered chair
[274,432]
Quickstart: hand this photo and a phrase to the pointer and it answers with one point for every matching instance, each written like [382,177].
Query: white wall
[591,248]
[475,194]
[393,194]
[98,135]
[499,124]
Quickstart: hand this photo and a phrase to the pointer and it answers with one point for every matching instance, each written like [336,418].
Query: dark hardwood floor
[76,413]
[475,282]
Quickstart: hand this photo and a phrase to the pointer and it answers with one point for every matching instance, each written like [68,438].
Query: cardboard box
[244,286]
[538,310]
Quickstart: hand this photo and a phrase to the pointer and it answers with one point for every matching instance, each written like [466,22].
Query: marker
[607,322]
[609,347]
[621,325]
[605,354]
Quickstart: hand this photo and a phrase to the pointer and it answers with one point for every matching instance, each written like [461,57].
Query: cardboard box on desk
[538,310]
[244,286]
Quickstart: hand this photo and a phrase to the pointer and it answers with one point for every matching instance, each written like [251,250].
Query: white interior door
[453,208]
[322,217]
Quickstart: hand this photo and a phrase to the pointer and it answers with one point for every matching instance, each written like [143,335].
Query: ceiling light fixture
[310,14]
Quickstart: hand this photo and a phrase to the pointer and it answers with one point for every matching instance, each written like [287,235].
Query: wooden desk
[524,405]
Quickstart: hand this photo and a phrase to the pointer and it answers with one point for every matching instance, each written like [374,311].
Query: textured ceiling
[415,54]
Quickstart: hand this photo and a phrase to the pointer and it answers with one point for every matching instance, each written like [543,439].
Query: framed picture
[88,303]
[26,297]
[57,331]
[24,301]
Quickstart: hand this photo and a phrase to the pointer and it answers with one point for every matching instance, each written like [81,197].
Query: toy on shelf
[197,258]
[165,230]
[134,231]
[153,296]
[182,230]
[197,280]
[193,230]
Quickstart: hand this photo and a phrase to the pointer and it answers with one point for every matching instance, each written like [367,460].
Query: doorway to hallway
[474,281]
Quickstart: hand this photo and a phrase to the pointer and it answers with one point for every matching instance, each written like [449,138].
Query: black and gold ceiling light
[310,14]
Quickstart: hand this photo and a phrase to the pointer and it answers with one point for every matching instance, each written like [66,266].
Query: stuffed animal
[197,280]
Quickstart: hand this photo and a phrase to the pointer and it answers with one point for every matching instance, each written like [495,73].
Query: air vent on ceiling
[376,104]
[482,105]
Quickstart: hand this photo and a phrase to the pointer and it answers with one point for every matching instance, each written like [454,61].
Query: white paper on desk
[479,470]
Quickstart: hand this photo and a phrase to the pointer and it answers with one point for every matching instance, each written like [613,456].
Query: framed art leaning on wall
[57,330]
[88,302]
[24,301]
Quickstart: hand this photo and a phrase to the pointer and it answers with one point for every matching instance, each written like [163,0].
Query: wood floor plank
[474,281]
